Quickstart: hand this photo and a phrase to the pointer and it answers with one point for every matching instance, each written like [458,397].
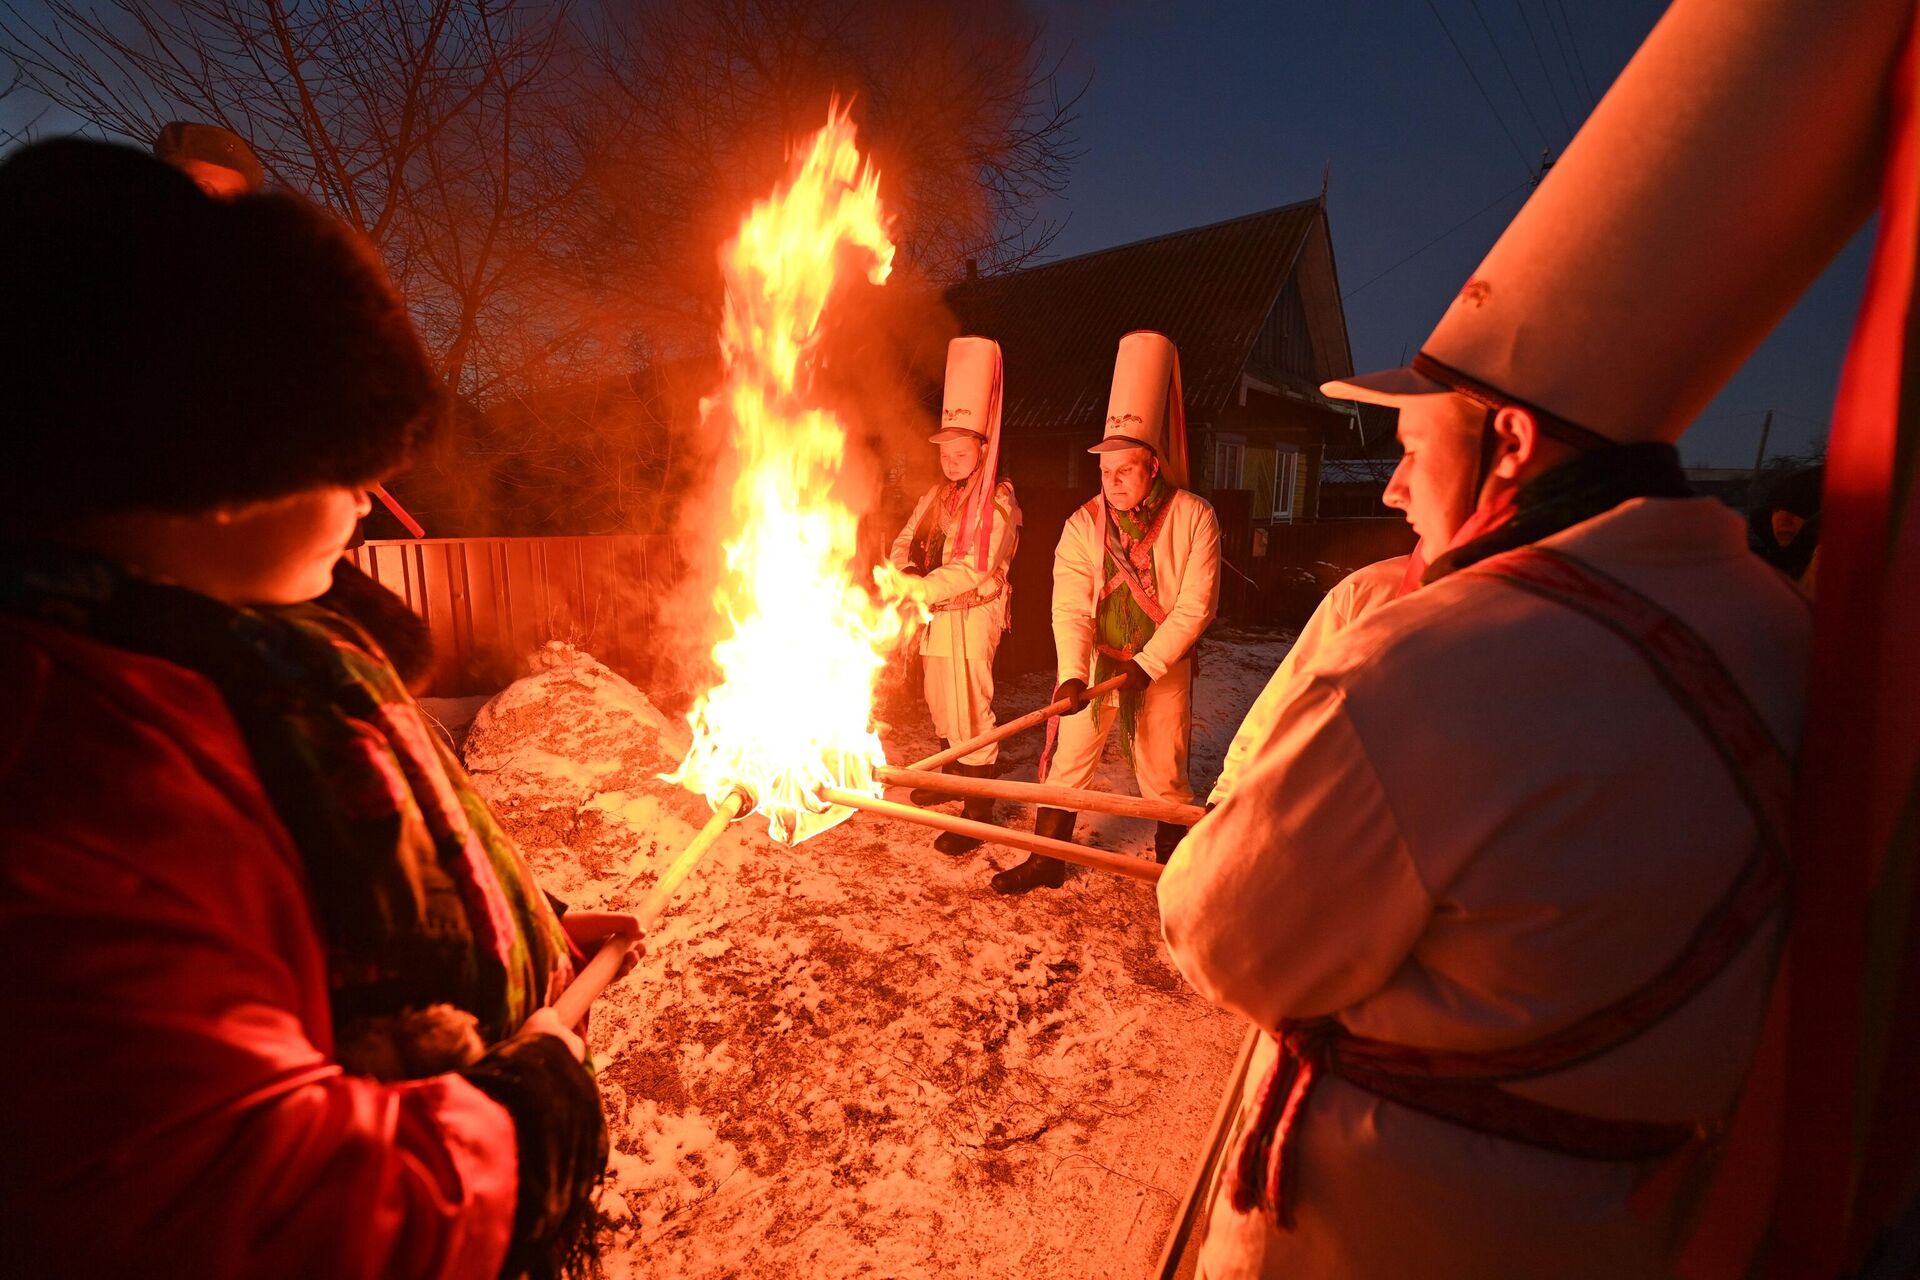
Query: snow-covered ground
[851,1058]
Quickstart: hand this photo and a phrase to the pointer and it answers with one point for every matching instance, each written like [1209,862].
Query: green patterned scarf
[439,943]
[1122,625]
[421,897]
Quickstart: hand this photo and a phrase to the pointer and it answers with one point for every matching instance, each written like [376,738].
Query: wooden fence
[491,601]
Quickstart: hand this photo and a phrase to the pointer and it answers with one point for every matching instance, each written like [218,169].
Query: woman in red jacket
[274,977]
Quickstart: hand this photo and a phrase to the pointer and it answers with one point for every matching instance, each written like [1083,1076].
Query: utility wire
[1566,60]
[1482,211]
[1545,74]
[1574,44]
[1525,106]
[1485,97]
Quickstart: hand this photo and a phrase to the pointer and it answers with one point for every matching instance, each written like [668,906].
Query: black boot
[1166,838]
[1039,869]
[927,797]
[978,808]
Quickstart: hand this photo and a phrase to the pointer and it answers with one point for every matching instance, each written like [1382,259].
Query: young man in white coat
[1352,597]
[1504,881]
[1136,580]
[960,543]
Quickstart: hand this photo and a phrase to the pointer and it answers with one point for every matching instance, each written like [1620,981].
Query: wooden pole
[1011,727]
[1206,1178]
[1182,815]
[399,512]
[1065,850]
[1759,460]
[592,980]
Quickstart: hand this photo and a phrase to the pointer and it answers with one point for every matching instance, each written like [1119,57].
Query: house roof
[1210,289]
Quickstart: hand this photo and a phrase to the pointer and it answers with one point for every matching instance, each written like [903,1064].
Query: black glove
[1137,677]
[914,571]
[1074,689]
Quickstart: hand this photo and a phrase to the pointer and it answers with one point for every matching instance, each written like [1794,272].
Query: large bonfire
[803,641]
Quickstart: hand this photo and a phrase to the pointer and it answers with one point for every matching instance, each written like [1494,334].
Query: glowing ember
[805,642]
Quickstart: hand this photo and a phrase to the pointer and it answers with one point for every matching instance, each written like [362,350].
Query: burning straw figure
[1505,880]
[1136,580]
[960,542]
[278,976]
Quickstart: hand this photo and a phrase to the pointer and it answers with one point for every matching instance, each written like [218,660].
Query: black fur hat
[168,351]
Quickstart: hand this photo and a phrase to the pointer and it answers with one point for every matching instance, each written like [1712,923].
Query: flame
[804,642]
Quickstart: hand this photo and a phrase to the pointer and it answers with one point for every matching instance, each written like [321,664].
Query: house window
[1229,463]
[1286,483]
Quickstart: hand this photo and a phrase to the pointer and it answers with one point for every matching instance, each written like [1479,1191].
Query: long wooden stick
[1200,1191]
[1184,815]
[399,512]
[584,989]
[1065,850]
[1012,727]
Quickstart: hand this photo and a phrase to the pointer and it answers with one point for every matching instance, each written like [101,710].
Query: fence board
[492,601]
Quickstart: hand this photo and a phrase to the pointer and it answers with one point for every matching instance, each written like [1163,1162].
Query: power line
[1484,96]
[1511,79]
[1574,43]
[1566,59]
[1566,63]
[1482,211]
[1545,74]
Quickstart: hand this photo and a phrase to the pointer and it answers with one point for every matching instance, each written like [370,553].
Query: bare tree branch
[548,194]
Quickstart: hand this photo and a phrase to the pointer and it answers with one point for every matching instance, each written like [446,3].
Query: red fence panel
[491,601]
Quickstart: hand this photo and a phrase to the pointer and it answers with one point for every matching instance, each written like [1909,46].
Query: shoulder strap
[1699,682]
[1683,662]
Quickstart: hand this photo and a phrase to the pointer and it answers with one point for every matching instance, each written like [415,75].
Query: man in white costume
[1352,597]
[1136,580]
[1503,884]
[960,542]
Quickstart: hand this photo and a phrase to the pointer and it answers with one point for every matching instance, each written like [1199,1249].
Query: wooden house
[1254,306]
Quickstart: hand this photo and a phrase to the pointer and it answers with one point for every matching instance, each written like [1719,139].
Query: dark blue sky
[1200,110]
[1204,111]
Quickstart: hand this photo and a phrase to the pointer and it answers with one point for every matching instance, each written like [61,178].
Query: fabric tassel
[1249,1163]
[562,1139]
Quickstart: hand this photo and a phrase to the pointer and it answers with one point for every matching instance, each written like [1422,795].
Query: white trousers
[1161,738]
[960,698]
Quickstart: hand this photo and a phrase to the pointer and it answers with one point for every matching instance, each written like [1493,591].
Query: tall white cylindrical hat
[1145,409]
[970,402]
[1728,163]
[970,406]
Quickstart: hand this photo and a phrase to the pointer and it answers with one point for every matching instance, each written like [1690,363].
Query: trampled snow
[851,1058]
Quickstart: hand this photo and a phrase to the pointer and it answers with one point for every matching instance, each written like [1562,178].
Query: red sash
[1464,1086]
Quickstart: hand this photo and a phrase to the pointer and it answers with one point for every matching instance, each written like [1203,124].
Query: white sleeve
[1194,606]
[1298,896]
[1350,598]
[960,576]
[902,549]
[1073,569]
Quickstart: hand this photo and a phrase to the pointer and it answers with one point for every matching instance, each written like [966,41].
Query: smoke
[674,118]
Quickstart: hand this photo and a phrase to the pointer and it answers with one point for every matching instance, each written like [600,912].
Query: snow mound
[850,1058]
